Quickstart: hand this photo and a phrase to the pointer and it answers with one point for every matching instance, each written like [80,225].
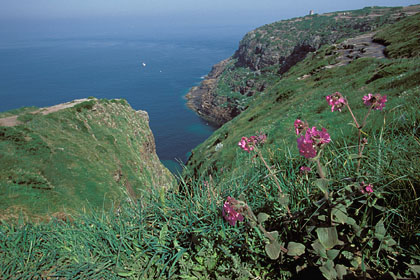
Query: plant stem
[266,233]
[361,144]
[275,179]
[322,175]
[351,112]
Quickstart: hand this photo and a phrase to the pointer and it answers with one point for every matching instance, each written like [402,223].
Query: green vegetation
[333,229]
[95,153]
[395,37]
[269,51]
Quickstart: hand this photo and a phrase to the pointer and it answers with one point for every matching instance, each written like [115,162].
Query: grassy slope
[81,157]
[280,38]
[181,234]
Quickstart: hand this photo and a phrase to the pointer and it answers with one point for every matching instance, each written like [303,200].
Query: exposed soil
[13,120]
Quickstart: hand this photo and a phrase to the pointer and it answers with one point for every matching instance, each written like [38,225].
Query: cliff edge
[79,155]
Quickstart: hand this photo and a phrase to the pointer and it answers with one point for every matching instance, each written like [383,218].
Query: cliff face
[271,50]
[355,66]
[86,155]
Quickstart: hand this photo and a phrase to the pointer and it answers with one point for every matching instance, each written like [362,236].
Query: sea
[153,73]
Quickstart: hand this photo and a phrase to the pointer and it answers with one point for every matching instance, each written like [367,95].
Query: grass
[78,152]
[181,234]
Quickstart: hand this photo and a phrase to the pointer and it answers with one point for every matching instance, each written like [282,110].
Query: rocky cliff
[266,53]
[85,154]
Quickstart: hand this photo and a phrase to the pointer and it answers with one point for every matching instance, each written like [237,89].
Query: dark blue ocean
[43,72]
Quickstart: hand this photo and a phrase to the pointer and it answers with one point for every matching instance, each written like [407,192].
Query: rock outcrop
[273,49]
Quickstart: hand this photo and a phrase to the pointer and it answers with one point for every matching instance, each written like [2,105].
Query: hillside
[81,155]
[266,53]
[294,187]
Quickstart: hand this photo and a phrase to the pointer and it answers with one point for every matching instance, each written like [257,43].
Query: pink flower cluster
[229,212]
[305,169]
[300,126]
[336,101]
[248,144]
[376,101]
[313,139]
[366,188]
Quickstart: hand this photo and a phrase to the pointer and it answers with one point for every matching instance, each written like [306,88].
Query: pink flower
[312,141]
[248,144]
[366,188]
[377,101]
[229,212]
[300,126]
[336,101]
[319,137]
[306,147]
[305,169]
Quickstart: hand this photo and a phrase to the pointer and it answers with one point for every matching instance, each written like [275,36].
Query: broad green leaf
[319,249]
[356,262]
[380,230]
[284,200]
[332,254]
[390,242]
[322,184]
[341,270]
[295,249]
[273,250]
[339,214]
[328,270]
[262,217]
[415,269]
[274,234]
[328,237]
[322,218]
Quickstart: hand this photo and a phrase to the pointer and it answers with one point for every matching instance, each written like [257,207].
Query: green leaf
[415,269]
[341,270]
[273,250]
[348,255]
[354,156]
[295,249]
[322,184]
[123,273]
[319,249]
[339,214]
[332,254]
[380,230]
[262,217]
[162,234]
[328,237]
[328,270]
[274,234]
[284,200]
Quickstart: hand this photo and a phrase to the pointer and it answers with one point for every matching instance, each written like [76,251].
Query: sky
[112,15]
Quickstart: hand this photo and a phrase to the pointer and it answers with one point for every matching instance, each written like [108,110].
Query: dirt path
[12,120]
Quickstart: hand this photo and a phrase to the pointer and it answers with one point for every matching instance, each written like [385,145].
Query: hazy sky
[45,9]
[99,17]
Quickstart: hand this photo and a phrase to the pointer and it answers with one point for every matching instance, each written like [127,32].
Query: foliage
[357,216]
[78,152]
[395,38]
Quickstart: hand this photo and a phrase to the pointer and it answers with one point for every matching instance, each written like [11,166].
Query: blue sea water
[44,72]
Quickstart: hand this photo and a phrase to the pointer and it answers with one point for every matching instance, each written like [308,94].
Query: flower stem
[352,115]
[322,175]
[275,179]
